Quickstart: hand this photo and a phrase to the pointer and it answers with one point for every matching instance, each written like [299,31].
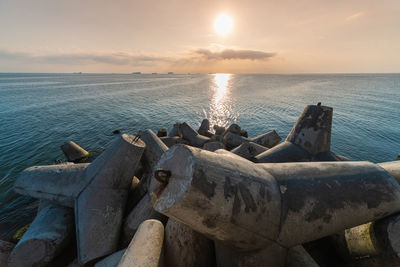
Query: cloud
[118,58]
[228,54]
[355,16]
[194,60]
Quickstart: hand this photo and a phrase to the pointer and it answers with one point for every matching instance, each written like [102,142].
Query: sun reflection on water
[220,112]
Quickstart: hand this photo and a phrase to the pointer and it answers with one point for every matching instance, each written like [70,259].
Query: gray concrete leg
[184,247]
[273,255]
[284,152]
[111,260]
[268,139]
[145,249]
[59,183]
[256,204]
[73,152]
[141,212]
[47,236]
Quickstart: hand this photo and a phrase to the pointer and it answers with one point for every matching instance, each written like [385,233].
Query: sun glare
[223,24]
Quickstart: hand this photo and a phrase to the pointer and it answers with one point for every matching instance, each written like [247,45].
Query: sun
[223,24]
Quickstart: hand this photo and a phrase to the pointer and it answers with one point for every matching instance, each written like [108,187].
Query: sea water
[39,112]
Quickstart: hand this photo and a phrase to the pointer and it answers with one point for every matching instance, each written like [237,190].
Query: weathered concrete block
[141,212]
[111,260]
[219,130]
[175,130]
[273,255]
[249,150]
[297,256]
[185,247]
[5,250]
[268,139]
[73,152]
[233,128]
[212,146]
[49,233]
[145,249]
[194,138]
[205,128]
[256,204]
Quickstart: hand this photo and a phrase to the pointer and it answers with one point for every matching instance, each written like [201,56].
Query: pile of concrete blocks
[213,197]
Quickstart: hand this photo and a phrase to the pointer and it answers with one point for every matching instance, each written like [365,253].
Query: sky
[275,36]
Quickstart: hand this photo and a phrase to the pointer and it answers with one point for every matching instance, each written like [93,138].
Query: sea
[40,112]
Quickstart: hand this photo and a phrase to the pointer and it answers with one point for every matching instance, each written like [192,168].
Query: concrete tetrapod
[249,206]
[49,233]
[145,249]
[194,138]
[310,136]
[99,193]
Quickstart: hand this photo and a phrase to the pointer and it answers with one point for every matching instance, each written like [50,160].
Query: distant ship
[137,72]
[170,72]
[77,73]
[154,73]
